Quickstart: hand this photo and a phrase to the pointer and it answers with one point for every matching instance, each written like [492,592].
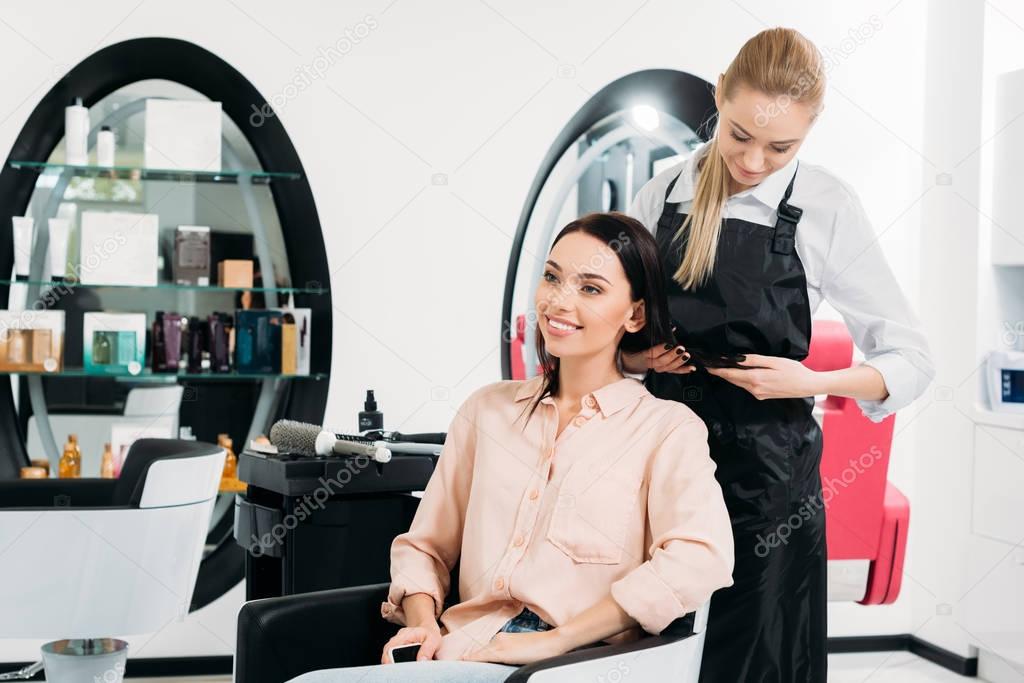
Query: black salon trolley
[311,524]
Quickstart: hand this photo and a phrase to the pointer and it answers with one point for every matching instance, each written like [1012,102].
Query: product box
[119,248]
[235,273]
[258,341]
[182,135]
[114,343]
[289,354]
[31,341]
[295,340]
[190,264]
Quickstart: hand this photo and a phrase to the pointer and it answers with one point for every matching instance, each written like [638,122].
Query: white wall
[476,92]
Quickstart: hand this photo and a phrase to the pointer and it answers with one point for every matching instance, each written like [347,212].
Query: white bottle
[105,147]
[76,134]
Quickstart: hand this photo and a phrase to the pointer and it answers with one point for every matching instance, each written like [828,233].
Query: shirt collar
[610,398]
[769,191]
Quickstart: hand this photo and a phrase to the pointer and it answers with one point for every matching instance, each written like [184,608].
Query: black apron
[770,624]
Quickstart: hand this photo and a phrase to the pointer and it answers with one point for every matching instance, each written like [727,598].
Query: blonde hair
[781,63]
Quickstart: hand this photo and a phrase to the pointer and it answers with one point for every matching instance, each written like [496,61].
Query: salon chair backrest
[866,516]
[853,491]
[78,566]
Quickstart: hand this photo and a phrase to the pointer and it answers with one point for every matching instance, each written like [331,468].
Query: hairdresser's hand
[665,358]
[429,638]
[519,648]
[773,377]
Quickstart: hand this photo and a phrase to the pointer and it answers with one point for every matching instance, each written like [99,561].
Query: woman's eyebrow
[592,276]
[777,142]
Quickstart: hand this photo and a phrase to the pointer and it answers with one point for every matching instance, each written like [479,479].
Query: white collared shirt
[842,259]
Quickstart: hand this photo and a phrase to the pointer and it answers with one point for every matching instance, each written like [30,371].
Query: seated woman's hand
[519,648]
[429,638]
[663,358]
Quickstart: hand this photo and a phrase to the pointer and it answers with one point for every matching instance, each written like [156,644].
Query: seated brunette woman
[582,508]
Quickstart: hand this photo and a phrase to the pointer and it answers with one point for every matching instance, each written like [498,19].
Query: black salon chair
[280,638]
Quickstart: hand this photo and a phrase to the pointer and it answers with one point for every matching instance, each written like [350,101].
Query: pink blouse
[623,501]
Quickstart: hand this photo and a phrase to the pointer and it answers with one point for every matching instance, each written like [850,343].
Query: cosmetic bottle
[101,348]
[159,358]
[370,417]
[70,465]
[76,134]
[217,343]
[196,344]
[107,463]
[230,460]
[105,147]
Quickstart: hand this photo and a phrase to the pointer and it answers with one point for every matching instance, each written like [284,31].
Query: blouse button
[518,542]
[499,584]
[589,401]
[579,420]
[534,494]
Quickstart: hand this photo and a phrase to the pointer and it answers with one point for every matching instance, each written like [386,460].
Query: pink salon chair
[866,516]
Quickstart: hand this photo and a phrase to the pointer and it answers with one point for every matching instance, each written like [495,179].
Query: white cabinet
[1008,172]
[998,487]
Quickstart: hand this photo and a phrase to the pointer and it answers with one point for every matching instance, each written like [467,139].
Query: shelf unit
[255,176]
[112,76]
[71,284]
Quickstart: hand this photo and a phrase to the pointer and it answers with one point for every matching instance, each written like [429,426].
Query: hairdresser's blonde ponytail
[781,63]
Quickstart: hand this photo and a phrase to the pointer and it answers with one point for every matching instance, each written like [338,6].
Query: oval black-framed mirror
[622,136]
[261,147]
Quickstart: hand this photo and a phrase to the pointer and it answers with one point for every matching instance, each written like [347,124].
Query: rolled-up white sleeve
[858,282]
[691,553]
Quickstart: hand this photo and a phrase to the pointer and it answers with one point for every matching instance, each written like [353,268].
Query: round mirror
[626,134]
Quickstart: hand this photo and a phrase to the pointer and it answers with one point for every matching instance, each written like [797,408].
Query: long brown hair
[637,251]
[781,63]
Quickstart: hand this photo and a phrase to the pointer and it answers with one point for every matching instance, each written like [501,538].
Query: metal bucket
[90,660]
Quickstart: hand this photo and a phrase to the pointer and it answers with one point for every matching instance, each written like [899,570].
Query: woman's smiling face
[583,302]
[758,133]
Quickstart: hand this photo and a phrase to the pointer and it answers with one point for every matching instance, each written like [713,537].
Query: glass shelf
[259,177]
[167,286]
[149,376]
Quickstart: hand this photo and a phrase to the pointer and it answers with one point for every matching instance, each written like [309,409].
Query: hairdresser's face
[583,300]
[758,133]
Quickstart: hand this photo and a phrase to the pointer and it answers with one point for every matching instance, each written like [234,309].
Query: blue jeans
[526,622]
[434,671]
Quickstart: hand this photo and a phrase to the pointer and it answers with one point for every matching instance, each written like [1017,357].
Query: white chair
[94,558]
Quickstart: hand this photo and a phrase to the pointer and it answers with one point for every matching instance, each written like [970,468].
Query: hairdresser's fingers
[681,366]
[670,359]
[660,355]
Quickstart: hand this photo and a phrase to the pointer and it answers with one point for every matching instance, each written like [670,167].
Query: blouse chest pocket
[592,515]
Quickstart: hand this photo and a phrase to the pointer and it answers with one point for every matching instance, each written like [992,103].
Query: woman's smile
[560,327]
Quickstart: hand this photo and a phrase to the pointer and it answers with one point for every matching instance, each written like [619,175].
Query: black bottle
[370,417]
[159,357]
